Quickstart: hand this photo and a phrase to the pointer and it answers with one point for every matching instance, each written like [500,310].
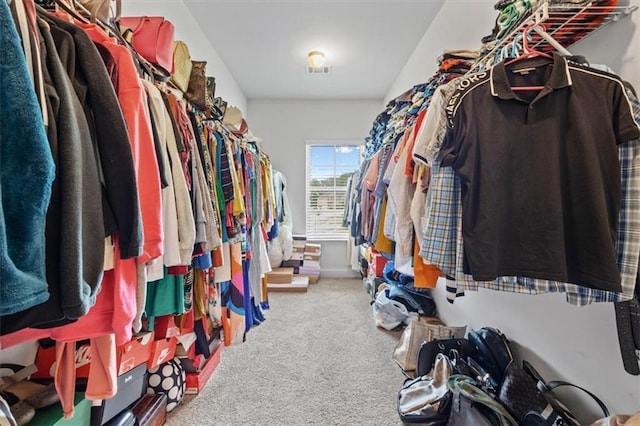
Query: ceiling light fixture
[315,59]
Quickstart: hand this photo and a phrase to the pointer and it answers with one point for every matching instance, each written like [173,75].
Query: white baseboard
[345,272]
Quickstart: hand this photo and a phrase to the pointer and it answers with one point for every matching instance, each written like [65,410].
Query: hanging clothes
[27,173]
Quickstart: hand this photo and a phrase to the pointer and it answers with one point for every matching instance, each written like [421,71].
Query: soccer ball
[168,378]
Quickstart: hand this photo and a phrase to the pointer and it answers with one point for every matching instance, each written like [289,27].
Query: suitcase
[151,410]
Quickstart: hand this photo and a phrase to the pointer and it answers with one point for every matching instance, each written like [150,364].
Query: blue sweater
[26,175]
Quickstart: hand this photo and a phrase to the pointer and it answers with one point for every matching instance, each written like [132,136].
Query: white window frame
[342,236]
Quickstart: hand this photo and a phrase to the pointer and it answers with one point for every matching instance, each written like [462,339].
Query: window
[329,167]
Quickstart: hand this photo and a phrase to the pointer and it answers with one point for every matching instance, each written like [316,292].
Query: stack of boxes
[305,259]
[311,262]
[302,269]
[297,256]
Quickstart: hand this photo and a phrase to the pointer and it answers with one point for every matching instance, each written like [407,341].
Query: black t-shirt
[539,170]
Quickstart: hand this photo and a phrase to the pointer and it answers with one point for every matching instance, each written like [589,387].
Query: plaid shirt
[443,243]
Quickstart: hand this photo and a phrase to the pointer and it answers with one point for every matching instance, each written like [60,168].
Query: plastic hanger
[528,53]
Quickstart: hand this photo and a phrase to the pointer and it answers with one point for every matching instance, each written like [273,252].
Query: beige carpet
[318,359]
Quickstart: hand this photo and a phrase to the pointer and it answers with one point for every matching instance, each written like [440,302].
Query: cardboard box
[52,416]
[300,283]
[313,279]
[131,386]
[297,256]
[162,350]
[135,352]
[46,361]
[196,381]
[298,245]
[165,326]
[311,257]
[315,264]
[280,276]
[313,248]
[309,270]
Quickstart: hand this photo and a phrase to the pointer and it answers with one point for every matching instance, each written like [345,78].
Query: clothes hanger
[70,10]
[528,53]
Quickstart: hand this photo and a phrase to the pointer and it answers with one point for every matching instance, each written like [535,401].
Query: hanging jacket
[109,133]
[26,175]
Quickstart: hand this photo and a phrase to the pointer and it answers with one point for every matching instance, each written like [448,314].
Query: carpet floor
[318,359]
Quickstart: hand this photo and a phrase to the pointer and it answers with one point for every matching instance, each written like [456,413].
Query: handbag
[405,353]
[181,65]
[531,400]
[152,38]
[212,111]
[197,90]
[493,352]
[427,399]
[429,350]
[472,406]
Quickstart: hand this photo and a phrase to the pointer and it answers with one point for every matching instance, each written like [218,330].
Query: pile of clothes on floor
[397,301]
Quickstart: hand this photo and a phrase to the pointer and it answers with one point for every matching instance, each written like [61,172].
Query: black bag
[473,406]
[429,350]
[493,352]
[532,401]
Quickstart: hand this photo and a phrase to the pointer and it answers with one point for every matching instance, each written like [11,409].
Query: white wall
[188,30]
[285,126]
[565,342]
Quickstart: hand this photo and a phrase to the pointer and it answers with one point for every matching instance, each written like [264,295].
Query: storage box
[135,352]
[314,264]
[311,257]
[46,361]
[309,270]
[378,263]
[165,326]
[196,381]
[52,416]
[313,279]
[312,248]
[280,276]
[297,256]
[131,386]
[162,350]
[300,283]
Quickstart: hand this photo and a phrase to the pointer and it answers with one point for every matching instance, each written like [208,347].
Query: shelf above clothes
[556,26]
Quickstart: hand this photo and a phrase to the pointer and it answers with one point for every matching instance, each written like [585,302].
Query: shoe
[34,394]
[6,416]
[23,413]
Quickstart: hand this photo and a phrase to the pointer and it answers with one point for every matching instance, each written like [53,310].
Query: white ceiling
[264,43]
